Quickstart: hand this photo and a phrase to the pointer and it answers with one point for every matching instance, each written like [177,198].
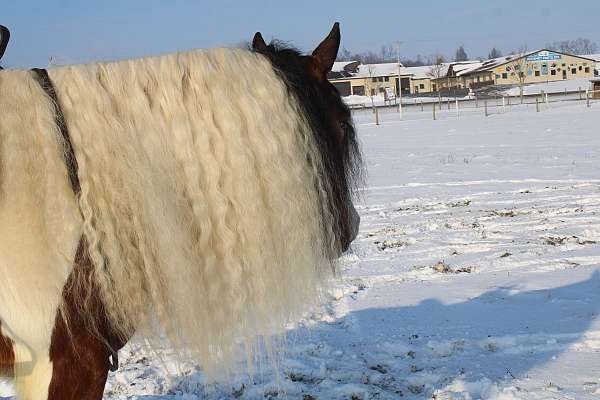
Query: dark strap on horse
[41,75]
[4,38]
[43,79]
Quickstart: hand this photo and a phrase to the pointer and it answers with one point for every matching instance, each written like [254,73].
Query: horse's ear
[4,37]
[326,52]
[258,43]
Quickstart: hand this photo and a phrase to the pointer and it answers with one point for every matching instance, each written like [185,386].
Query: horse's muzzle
[353,226]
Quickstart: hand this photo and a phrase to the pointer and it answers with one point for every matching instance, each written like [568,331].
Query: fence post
[448,103]
[547,101]
[422,106]
[486,109]
[376,116]
[580,93]
[434,111]
[587,97]
[537,104]
[476,102]
[457,112]
[503,104]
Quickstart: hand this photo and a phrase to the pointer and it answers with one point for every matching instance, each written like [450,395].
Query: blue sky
[81,31]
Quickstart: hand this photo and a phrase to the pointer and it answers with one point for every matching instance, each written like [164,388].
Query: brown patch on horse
[80,357]
[7,356]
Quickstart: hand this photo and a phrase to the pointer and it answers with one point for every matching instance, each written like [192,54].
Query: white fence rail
[434,109]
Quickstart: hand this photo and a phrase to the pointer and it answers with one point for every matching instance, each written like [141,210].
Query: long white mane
[201,195]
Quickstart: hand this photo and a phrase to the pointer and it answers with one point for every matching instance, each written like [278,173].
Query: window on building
[422,86]
[587,70]
[580,68]
[433,87]
[553,72]
[372,92]
[374,80]
[358,90]
[574,71]
[387,79]
[505,76]
[537,73]
[497,76]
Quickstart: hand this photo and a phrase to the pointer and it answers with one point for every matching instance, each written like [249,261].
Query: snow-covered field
[365,101]
[573,85]
[476,274]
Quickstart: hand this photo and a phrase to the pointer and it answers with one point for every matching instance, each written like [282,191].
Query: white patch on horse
[40,226]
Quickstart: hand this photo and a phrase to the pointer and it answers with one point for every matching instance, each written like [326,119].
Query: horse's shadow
[500,335]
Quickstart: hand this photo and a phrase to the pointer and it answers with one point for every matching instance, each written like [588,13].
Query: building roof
[375,70]
[421,72]
[340,66]
[464,67]
[595,57]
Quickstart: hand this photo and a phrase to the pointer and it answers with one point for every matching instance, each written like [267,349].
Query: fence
[432,108]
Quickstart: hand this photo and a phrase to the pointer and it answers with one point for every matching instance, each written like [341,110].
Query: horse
[202,196]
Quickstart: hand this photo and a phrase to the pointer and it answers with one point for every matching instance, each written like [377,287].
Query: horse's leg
[33,372]
[79,357]
[7,355]
[80,364]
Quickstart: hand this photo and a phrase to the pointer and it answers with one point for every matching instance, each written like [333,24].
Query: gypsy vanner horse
[201,196]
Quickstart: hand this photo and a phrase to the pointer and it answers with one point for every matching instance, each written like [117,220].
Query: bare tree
[417,62]
[388,54]
[344,55]
[517,68]
[436,72]
[461,54]
[372,90]
[494,53]
[577,46]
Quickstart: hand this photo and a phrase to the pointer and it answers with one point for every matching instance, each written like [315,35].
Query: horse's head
[329,118]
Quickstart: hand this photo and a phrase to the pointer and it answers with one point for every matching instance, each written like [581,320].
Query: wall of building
[375,85]
[545,67]
[420,85]
[477,79]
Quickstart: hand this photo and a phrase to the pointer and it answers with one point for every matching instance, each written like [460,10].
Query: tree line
[388,53]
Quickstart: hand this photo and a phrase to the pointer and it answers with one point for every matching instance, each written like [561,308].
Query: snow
[375,70]
[476,273]
[379,100]
[339,66]
[571,85]
[595,57]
